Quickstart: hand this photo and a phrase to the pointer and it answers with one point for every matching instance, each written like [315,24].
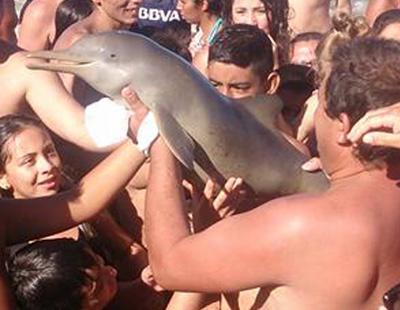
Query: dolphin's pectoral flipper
[177,139]
[264,108]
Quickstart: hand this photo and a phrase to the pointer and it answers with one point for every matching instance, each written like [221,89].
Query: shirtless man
[37,28]
[376,7]
[107,15]
[8,21]
[335,250]
[313,15]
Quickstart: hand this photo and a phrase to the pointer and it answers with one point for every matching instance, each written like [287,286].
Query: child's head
[60,274]
[241,62]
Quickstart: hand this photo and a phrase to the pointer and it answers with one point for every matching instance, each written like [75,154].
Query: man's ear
[97,2]
[272,83]
[4,184]
[345,126]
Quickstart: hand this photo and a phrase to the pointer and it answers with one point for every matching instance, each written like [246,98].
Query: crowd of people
[97,213]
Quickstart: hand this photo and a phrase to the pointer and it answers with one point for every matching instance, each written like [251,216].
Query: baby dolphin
[209,133]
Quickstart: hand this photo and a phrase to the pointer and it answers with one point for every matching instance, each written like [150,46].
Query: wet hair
[385,19]
[10,126]
[215,7]
[363,74]
[278,23]
[50,274]
[244,46]
[69,12]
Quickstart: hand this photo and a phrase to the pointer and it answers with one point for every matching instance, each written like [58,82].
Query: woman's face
[32,168]
[190,11]
[251,12]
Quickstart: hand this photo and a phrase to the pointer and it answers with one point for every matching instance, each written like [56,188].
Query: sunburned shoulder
[298,209]
[72,34]
[307,213]
[41,10]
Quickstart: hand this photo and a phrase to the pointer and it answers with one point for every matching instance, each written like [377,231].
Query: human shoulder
[298,218]
[41,11]
[71,35]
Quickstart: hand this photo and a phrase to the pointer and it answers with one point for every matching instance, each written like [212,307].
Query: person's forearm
[112,234]
[24,218]
[165,216]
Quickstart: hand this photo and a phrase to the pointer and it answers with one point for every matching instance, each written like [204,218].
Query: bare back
[346,233]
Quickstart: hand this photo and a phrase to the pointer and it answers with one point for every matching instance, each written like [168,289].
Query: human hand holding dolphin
[142,126]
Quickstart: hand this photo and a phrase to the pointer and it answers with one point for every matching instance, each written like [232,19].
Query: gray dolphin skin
[208,132]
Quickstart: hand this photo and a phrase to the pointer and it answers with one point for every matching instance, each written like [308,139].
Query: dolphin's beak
[60,61]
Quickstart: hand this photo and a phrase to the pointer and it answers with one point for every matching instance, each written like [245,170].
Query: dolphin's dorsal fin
[177,139]
[264,108]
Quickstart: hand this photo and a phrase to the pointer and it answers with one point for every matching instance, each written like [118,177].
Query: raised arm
[213,260]
[35,218]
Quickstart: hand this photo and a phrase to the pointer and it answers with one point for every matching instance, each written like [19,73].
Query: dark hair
[69,12]
[365,75]
[215,7]
[50,274]
[10,125]
[278,23]
[244,46]
[384,20]
[175,37]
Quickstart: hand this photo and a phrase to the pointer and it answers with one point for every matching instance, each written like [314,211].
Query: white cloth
[107,122]
[147,133]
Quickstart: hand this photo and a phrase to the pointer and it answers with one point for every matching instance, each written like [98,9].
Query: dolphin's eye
[113,55]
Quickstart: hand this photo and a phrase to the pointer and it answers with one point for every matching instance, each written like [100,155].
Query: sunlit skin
[234,81]
[251,12]
[391,32]
[190,11]
[33,166]
[303,52]
[122,11]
